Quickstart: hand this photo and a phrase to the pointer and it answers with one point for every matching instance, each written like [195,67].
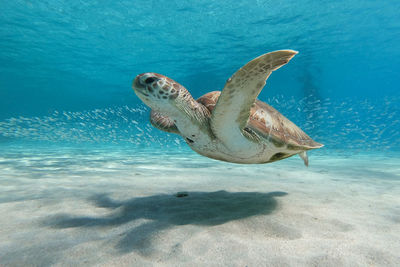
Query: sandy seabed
[74,207]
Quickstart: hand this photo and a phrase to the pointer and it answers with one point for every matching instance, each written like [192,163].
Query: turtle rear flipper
[304,157]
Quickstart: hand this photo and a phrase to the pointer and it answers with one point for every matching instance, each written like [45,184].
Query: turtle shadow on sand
[165,211]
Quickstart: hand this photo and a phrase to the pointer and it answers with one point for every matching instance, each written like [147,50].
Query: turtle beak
[137,83]
[139,88]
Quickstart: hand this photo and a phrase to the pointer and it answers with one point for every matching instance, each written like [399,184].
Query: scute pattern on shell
[269,124]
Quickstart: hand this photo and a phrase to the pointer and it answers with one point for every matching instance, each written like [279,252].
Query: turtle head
[158,91]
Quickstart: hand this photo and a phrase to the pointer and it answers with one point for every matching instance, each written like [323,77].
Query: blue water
[68,112]
[71,57]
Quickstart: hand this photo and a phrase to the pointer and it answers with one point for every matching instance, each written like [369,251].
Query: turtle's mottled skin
[231,125]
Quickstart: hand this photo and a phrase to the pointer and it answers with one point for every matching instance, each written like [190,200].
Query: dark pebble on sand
[181,194]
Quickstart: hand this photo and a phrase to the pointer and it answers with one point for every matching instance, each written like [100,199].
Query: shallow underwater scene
[85,179]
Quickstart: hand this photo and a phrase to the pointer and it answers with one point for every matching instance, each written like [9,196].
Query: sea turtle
[232,125]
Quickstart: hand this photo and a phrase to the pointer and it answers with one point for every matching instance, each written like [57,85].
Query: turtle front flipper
[232,111]
[163,123]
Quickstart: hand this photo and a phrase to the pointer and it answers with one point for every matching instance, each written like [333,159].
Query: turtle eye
[149,80]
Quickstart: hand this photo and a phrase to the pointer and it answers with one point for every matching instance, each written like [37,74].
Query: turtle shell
[270,124]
